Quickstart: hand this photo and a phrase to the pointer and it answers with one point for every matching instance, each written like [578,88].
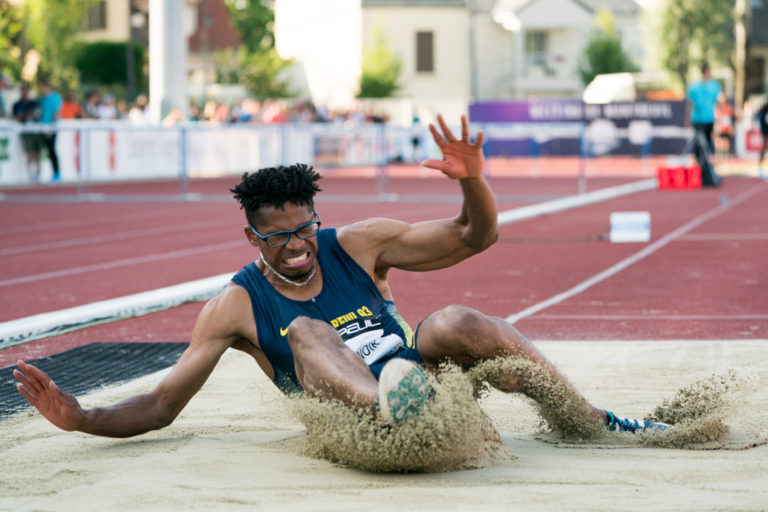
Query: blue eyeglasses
[280,238]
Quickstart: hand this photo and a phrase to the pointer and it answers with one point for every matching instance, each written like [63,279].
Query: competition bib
[365,336]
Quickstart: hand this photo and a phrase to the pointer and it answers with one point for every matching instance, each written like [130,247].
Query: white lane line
[566,203]
[79,223]
[27,328]
[723,237]
[647,251]
[129,261]
[651,316]
[123,263]
[123,235]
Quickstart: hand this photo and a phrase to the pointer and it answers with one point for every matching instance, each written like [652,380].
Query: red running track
[709,283]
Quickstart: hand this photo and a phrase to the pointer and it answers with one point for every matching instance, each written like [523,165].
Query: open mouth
[297,261]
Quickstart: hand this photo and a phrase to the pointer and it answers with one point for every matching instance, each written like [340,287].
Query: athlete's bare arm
[217,328]
[379,244]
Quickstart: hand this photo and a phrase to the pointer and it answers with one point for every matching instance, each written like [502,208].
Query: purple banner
[567,127]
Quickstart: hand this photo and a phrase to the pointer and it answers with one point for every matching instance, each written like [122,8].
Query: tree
[693,32]
[253,21]
[381,69]
[11,39]
[604,52]
[104,63]
[50,29]
[258,72]
[258,64]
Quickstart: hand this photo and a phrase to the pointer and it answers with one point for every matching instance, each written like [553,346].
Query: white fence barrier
[106,151]
[98,151]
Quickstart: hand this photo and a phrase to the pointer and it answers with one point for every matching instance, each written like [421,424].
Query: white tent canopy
[326,37]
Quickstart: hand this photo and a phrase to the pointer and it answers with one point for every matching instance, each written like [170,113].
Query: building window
[96,18]
[425,53]
[537,58]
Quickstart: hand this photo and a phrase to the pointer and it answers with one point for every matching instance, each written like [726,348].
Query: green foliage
[253,21]
[693,31]
[604,53]
[258,72]
[11,40]
[104,63]
[381,69]
[50,28]
[256,65]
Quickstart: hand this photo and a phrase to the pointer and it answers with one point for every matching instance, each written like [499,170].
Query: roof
[414,3]
[615,6]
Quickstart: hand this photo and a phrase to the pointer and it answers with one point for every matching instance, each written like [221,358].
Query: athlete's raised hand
[461,158]
[58,406]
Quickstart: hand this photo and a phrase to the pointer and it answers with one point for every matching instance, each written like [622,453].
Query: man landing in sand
[316,313]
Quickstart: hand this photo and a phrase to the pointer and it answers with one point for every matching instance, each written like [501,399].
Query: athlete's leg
[326,368]
[467,337]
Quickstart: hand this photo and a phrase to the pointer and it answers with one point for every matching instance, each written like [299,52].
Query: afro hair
[275,186]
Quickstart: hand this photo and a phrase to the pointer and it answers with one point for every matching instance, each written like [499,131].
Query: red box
[754,140]
[679,178]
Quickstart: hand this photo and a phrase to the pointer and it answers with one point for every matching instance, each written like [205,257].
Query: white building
[495,49]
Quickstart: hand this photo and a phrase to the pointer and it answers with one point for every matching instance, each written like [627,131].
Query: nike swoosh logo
[283,332]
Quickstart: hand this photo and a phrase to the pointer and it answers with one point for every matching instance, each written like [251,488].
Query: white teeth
[291,261]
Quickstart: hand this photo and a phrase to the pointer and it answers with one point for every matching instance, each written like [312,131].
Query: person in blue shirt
[50,111]
[702,99]
[762,120]
[3,85]
[316,313]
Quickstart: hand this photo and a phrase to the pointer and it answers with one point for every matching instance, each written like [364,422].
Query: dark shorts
[289,384]
[32,142]
[410,354]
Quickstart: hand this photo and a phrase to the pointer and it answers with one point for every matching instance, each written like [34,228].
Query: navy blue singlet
[349,301]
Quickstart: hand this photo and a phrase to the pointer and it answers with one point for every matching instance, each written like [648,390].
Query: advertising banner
[570,127]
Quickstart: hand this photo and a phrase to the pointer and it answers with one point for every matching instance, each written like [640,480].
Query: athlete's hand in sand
[58,407]
[461,158]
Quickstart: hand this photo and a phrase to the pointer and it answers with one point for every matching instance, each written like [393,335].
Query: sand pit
[237,446]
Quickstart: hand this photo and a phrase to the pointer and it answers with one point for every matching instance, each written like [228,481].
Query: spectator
[122,109]
[27,110]
[173,118]
[702,97]
[107,109]
[70,108]
[194,114]
[139,114]
[91,105]
[724,123]
[273,113]
[50,112]
[762,118]
[209,111]
[3,85]
[222,114]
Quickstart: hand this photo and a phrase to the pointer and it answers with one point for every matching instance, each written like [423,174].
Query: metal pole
[130,60]
[184,175]
[742,17]
[584,152]
[473,78]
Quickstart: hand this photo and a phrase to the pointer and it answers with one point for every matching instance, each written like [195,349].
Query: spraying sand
[241,445]
[454,433]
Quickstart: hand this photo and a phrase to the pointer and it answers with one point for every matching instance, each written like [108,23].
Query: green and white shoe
[619,424]
[403,391]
